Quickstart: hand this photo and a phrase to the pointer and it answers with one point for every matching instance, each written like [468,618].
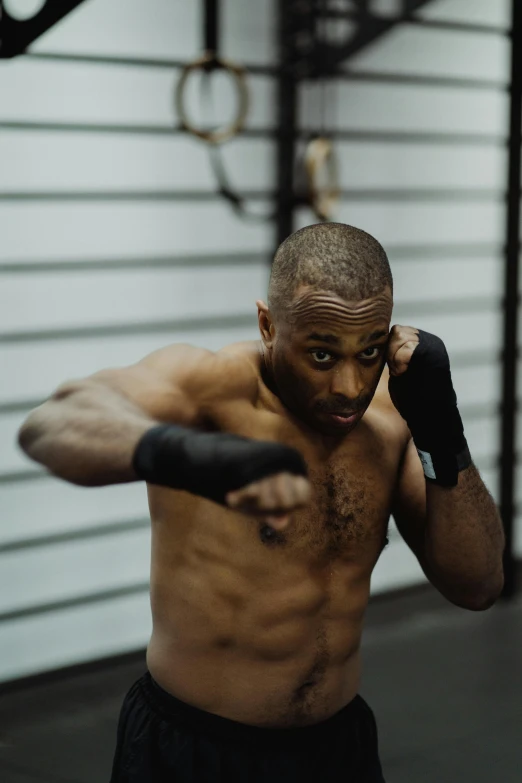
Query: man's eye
[371,353]
[321,357]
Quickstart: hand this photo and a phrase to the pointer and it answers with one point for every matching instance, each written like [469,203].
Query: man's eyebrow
[373,336]
[324,338]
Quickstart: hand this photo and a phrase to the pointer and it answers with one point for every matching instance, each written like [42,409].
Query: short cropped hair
[332,257]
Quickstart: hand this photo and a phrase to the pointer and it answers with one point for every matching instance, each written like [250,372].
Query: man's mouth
[345,418]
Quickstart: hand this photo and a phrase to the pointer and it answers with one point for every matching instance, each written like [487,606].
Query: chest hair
[343,515]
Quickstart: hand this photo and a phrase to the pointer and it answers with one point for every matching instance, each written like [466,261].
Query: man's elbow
[481,600]
[483,603]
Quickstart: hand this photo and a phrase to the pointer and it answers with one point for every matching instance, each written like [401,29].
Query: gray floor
[444,683]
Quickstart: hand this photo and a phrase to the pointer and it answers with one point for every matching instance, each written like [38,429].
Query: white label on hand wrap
[427,464]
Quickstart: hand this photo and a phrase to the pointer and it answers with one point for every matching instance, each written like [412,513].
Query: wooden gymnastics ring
[207,61]
[320,156]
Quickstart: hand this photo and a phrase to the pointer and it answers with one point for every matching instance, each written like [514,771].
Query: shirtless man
[272,468]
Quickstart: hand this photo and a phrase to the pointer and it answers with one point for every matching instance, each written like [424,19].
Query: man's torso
[265,628]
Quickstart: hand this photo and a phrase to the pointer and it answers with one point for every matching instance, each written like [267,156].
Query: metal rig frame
[303,56]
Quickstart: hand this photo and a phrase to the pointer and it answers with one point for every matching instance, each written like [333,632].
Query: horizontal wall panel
[249,31]
[65,231]
[59,161]
[37,90]
[410,49]
[406,108]
[478,333]
[32,371]
[432,279]
[127,27]
[163,29]
[497,13]
[483,436]
[12,458]
[73,636]
[422,166]
[130,296]
[478,385]
[49,507]
[68,571]
[414,224]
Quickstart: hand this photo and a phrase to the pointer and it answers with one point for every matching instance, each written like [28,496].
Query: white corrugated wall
[113,243]
[102,260]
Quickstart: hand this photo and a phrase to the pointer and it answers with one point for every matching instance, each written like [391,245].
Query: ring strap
[320,158]
[212,27]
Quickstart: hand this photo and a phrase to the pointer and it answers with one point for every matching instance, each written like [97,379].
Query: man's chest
[352,492]
[353,482]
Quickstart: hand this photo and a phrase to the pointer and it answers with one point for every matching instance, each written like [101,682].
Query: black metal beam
[17,34]
[511,287]
[211,11]
[286,124]
[316,56]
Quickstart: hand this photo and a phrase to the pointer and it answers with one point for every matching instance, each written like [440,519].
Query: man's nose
[347,381]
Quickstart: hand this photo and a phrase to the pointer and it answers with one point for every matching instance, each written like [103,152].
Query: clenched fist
[402,343]
[273,498]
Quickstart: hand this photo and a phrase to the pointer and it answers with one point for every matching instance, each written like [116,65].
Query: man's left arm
[455,532]
[442,507]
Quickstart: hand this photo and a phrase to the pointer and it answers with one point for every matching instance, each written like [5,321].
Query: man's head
[325,328]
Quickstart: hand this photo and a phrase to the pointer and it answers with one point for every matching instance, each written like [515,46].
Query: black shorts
[160,739]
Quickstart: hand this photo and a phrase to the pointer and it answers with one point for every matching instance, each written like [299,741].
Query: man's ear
[266,326]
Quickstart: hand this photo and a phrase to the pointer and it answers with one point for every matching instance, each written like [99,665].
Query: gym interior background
[115,241]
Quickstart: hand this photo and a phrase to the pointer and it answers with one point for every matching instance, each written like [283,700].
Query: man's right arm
[88,430]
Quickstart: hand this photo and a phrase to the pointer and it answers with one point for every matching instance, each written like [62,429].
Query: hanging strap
[321,164]
[211,32]
[320,161]
[208,62]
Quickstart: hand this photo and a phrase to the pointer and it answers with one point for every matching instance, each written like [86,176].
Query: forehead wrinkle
[325,296]
[312,308]
[340,315]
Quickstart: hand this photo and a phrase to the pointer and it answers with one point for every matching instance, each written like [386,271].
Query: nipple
[268,535]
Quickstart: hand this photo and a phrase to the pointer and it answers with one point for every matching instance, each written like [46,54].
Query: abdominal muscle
[264,636]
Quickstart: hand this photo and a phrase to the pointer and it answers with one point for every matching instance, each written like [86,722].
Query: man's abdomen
[286,654]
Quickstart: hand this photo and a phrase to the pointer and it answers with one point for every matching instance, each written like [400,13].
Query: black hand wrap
[425,397]
[210,464]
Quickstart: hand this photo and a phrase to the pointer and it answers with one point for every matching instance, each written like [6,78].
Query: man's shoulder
[246,351]
[244,356]
[205,373]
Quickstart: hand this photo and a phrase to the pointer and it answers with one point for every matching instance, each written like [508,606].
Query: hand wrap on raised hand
[425,397]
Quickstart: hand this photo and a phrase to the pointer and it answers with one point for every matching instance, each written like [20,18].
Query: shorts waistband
[177,711]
